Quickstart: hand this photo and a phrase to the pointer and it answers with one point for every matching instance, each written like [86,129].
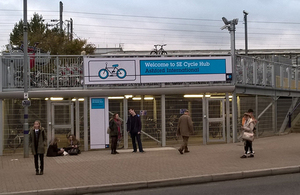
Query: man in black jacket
[134,127]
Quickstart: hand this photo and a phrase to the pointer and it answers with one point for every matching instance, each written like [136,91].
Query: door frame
[52,116]
[210,119]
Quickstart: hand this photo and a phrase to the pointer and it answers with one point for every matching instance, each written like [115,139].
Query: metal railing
[55,72]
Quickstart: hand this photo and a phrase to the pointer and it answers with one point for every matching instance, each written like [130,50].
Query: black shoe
[41,173]
[180,151]
[142,151]
[134,151]
[251,156]
[37,172]
[244,156]
[116,152]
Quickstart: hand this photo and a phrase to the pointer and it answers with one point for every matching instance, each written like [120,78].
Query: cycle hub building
[79,94]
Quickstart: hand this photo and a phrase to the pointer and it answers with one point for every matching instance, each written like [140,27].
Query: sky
[182,25]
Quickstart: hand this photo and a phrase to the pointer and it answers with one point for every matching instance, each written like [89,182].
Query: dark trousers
[185,140]
[36,162]
[248,145]
[114,141]
[138,138]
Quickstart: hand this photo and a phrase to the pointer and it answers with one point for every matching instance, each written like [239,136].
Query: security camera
[224,27]
[235,21]
[245,12]
[226,22]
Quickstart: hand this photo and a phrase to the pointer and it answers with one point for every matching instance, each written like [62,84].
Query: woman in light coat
[248,127]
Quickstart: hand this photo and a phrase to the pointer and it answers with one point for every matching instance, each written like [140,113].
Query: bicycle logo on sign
[112,71]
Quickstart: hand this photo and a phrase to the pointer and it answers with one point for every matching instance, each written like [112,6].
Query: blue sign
[183,67]
[98,103]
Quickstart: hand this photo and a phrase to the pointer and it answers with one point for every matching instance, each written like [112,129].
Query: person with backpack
[134,127]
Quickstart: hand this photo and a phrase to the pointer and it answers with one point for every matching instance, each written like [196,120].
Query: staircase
[295,127]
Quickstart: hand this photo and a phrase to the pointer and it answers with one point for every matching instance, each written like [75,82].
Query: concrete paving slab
[99,171]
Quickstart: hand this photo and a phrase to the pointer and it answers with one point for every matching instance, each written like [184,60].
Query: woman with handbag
[248,135]
[73,145]
[115,129]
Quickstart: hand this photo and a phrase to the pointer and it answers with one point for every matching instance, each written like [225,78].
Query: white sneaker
[252,152]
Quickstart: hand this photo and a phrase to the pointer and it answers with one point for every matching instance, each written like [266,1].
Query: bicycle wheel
[164,53]
[121,73]
[13,141]
[103,73]
[153,52]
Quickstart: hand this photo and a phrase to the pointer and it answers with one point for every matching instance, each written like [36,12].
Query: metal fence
[67,72]
[263,72]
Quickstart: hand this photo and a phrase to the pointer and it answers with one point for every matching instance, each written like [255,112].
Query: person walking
[115,128]
[37,143]
[134,127]
[185,128]
[248,127]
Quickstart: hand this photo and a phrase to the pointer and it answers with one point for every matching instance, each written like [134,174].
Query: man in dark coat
[37,142]
[185,128]
[134,127]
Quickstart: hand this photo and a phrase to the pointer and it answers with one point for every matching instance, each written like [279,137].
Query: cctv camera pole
[232,45]
[25,78]
[234,99]
[246,32]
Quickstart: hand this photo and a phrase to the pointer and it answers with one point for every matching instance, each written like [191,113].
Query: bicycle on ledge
[160,51]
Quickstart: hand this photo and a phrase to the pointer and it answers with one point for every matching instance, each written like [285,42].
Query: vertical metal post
[246,32]
[204,120]
[296,78]
[60,16]
[85,118]
[77,119]
[232,34]
[243,64]
[71,35]
[274,114]
[255,64]
[256,114]
[227,118]
[234,117]
[281,77]
[25,77]
[49,122]
[264,81]
[125,114]
[163,120]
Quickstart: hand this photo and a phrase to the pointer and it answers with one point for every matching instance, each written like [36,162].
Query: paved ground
[97,171]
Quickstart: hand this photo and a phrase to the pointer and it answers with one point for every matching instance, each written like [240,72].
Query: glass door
[62,121]
[216,120]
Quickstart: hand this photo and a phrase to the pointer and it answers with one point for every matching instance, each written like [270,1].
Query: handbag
[248,136]
[108,130]
[73,151]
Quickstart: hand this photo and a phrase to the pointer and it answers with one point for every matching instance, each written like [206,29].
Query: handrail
[290,113]
[143,132]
